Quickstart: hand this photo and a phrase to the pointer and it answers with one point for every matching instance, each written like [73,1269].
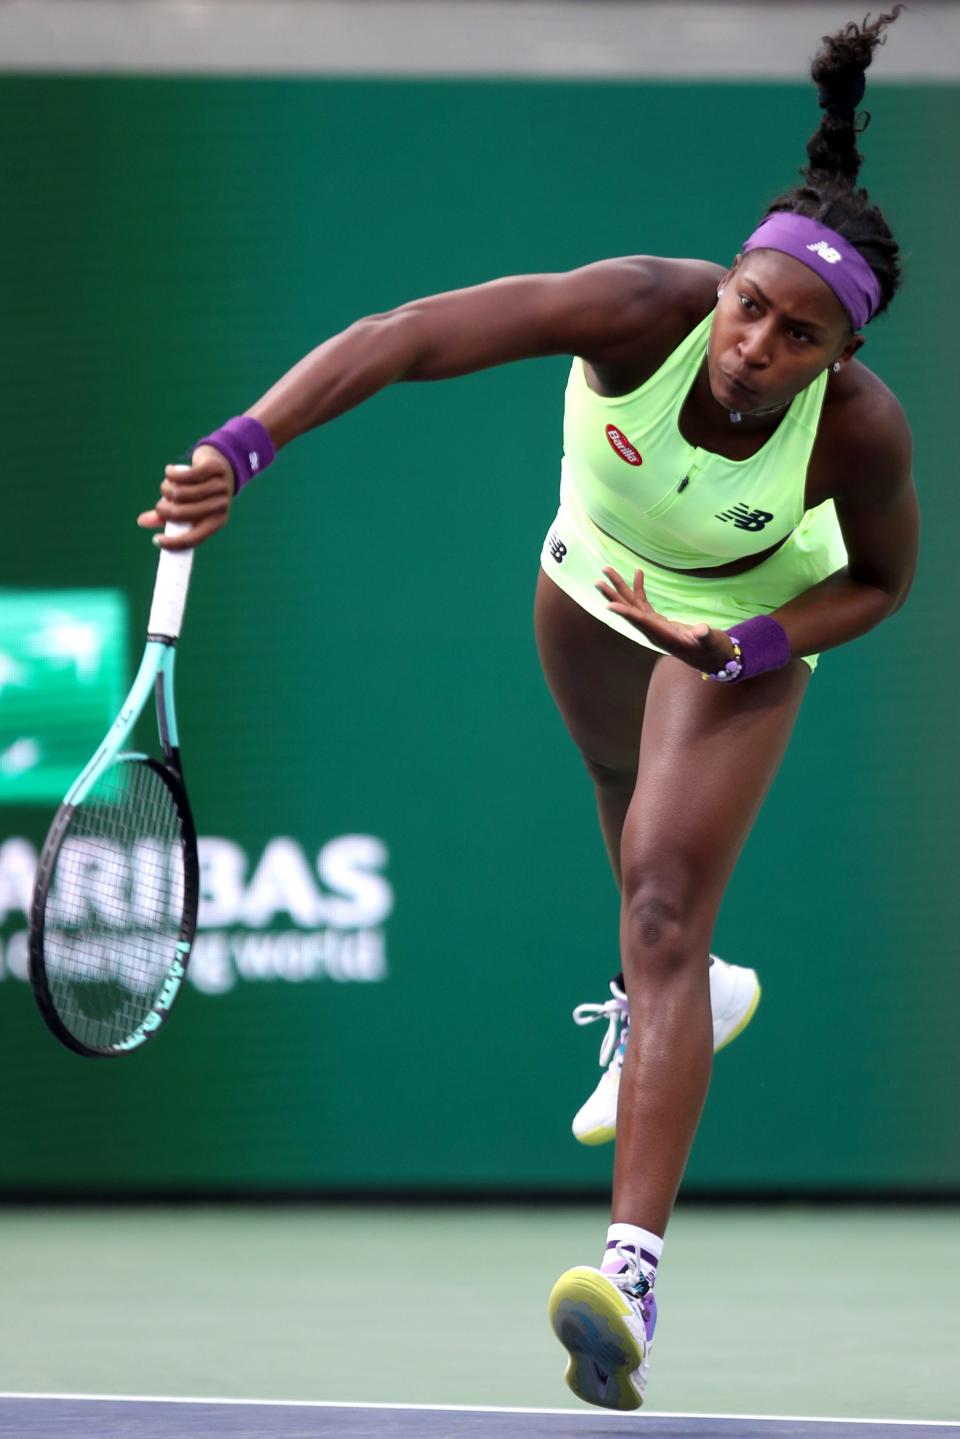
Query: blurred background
[404,889]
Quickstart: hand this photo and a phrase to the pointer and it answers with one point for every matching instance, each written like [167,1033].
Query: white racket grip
[170,590]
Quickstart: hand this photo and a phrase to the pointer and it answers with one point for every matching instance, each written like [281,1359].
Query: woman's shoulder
[658,284]
[651,303]
[860,412]
[864,433]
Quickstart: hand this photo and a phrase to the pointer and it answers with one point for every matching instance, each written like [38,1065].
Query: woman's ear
[851,348]
[724,279]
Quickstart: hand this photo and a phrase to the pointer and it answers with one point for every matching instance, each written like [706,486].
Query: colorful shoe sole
[604,1338]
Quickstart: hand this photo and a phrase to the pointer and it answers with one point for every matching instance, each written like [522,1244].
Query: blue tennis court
[44,1416]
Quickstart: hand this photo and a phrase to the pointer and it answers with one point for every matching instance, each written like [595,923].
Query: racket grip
[170,590]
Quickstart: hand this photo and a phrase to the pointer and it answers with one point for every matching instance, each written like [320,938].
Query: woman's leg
[680,768]
[708,753]
[599,680]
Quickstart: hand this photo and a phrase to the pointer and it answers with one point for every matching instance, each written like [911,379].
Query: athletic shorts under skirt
[575,553]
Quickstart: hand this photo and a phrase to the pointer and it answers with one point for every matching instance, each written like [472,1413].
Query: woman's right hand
[198,494]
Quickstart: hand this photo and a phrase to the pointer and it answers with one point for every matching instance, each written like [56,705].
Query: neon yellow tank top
[676,504]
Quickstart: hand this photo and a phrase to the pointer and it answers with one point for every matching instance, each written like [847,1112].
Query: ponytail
[828,192]
[839,73]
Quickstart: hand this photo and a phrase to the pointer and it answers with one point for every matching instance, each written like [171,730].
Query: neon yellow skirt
[575,552]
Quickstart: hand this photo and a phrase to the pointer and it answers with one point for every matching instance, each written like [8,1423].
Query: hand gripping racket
[114,907]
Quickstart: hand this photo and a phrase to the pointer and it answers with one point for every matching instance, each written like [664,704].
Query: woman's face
[777,325]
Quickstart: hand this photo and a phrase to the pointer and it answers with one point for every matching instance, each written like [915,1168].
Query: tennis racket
[114,907]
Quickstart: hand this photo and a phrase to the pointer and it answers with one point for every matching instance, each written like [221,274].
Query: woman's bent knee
[663,932]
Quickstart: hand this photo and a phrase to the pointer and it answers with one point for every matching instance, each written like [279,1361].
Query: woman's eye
[800,335]
[747,302]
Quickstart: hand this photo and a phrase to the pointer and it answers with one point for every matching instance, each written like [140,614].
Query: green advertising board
[63,656]
[404,892]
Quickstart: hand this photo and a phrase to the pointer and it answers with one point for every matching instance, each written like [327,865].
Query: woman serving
[736,498]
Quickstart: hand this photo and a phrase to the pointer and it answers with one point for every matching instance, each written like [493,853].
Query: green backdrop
[405,891]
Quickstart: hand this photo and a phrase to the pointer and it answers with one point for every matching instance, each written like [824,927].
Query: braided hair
[828,191]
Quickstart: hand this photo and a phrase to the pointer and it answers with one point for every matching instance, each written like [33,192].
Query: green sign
[63,668]
[403,888]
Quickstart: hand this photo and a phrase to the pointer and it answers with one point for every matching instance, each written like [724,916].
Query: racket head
[114,909]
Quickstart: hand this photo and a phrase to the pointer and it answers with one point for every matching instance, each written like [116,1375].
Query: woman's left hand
[699,646]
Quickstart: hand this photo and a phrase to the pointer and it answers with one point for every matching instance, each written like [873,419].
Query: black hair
[829,190]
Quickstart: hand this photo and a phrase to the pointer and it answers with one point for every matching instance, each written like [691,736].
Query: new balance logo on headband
[744,519]
[826,252]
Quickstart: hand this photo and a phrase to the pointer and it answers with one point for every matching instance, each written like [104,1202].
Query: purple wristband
[245,443]
[763,645]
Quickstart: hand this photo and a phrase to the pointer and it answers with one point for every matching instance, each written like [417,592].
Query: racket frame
[177,970]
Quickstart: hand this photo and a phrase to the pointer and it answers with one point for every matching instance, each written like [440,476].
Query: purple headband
[828,254]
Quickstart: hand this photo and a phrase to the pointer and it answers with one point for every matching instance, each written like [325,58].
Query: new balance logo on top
[825,251]
[744,519]
[557,548]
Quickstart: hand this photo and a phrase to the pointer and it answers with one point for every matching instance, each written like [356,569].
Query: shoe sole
[596,1136]
[597,1327]
[609,1132]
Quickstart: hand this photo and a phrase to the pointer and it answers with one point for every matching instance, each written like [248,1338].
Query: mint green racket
[114,908]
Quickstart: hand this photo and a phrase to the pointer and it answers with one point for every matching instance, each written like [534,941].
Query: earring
[836,367]
[719,291]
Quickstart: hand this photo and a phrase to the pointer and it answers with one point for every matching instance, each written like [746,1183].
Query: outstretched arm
[457,333]
[592,312]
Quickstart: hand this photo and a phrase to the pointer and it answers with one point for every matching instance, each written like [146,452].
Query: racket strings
[115,905]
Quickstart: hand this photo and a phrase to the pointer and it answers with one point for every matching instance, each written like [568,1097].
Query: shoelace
[616,1012]
[627,1283]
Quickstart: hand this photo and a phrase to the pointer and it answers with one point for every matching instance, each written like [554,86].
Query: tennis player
[735,498]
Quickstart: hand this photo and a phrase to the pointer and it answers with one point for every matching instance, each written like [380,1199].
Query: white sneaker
[734,996]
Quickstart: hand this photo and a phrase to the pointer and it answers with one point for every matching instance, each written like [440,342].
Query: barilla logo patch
[826,252]
[623,447]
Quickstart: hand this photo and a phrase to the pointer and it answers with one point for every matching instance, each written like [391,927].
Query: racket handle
[170,590]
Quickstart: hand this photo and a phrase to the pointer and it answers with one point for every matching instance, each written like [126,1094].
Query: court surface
[51,1416]
[763,1311]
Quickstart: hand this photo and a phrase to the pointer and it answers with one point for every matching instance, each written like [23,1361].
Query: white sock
[629,1247]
